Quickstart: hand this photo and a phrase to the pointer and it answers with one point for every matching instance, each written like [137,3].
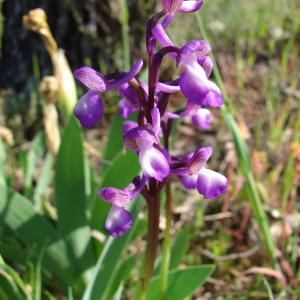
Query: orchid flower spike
[148,121]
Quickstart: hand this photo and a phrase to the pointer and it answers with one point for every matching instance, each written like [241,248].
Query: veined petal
[190,6]
[154,163]
[199,159]
[89,109]
[206,63]
[118,221]
[189,181]
[172,5]
[96,81]
[92,79]
[116,197]
[202,118]
[211,184]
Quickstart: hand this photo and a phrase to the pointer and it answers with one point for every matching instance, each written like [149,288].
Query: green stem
[244,160]
[165,264]
[125,36]
[152,244]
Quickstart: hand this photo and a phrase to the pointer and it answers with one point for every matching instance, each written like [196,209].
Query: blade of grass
[71,198]
[244,160]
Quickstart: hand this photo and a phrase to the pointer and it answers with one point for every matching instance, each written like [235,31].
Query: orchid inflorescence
[148,136]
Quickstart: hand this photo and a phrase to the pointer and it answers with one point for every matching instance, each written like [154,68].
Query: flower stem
[152,244]
[165,264]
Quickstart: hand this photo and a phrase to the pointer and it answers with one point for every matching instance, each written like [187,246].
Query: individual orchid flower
[89,109]
[119,220]
[194,175]
[143,140]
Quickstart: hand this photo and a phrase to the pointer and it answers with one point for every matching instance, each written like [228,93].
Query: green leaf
[115,141]
[44,181]
[179,248]
[106,269]
[32,157]
[181,283]
[123,169]
[71,198]
[18,214]
[122,274]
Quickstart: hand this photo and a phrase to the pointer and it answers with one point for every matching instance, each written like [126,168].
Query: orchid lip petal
[202,118]
[189,181]
[198,89]
[190,6]
[118,221]
[154,163]
[211,184]
[89,109]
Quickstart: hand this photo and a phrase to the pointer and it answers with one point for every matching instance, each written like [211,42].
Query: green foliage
[181,283]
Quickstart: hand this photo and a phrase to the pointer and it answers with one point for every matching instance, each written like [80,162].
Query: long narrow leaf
[71,197]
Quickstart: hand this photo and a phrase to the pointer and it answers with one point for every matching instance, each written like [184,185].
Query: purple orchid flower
[148,136]
[89,109]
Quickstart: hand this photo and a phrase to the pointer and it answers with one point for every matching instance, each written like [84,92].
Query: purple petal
[92,79]
[116,197]
[206,63]
[211,184]
[172,5]
[126,77]
[128,125]
[155,115]
[161,35]
[126,108]
[118,221]
[141,137]
[202,118]
[89,109]
[198,89]
[189,181]
[191,6]
[199,159]
[154,163]
[95,81]
[128,92]
[192,51]
[167,88]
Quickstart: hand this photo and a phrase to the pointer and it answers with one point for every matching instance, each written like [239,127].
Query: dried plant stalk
[36,20]
[48,91]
